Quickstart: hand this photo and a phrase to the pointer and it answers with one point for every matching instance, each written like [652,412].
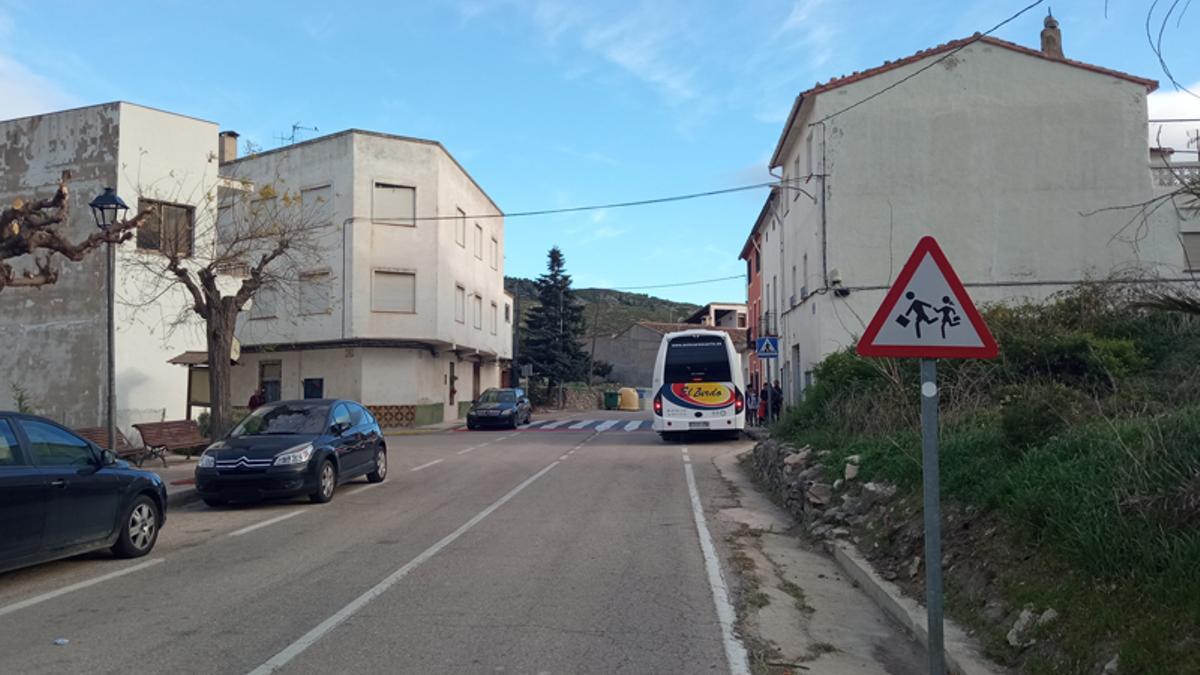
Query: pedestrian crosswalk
[587,425]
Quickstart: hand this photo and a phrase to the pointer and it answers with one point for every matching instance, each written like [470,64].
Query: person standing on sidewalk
[776,400]
[752,408]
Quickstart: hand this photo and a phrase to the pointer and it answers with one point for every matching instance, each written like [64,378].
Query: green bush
[1034,413]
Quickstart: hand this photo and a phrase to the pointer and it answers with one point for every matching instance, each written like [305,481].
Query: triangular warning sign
[928,314]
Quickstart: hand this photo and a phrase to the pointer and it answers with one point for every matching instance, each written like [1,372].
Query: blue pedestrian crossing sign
[768,347]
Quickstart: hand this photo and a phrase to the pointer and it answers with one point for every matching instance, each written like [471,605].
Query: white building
[720,314]
[406,312]
[1002,152]
[55,338]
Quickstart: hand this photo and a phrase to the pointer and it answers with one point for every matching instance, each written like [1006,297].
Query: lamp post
[108,209]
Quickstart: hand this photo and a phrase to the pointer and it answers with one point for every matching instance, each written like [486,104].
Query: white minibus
[698,385]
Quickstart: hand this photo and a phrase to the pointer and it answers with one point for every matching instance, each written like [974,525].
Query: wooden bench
[163,437]
[124,449]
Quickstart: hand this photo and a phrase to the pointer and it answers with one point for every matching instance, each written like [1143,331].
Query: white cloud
[1169,104]
[638,44]
[27,93]
[815,35]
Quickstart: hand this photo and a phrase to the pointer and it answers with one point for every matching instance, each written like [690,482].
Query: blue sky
[547,103]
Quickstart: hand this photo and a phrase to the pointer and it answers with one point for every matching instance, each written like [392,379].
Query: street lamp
[108,209]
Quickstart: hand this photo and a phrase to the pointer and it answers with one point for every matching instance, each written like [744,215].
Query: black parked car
[500,408]
[60,495]
[292,448]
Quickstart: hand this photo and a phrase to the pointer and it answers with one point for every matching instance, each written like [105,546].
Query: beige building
[406,311]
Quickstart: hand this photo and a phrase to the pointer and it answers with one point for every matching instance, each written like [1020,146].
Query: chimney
[227,150]
[1052,38]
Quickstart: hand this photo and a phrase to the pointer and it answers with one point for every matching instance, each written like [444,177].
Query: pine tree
[553,334]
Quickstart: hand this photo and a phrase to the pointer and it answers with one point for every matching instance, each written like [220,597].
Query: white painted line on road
[308,639]
[535,424]
[466,450]
[564,456]
[269,521]
[555,425]
[633,425]
[605,426]
[364,487]
[9,609]
[581,424]
[426,465]
[735,652]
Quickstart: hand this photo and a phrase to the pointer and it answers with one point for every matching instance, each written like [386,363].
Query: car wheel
[326,483]
[216,502]
[139,529]
[380,471]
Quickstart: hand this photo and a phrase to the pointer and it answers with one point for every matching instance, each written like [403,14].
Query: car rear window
[284,419]
[8,445]
[699,358]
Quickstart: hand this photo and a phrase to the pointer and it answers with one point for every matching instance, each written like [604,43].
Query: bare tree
[35,228]
[258,238]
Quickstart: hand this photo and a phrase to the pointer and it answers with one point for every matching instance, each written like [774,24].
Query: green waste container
[611,400]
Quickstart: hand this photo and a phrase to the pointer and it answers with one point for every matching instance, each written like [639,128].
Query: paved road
[553,551]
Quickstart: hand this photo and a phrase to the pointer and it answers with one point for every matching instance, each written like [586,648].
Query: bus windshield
[700,358]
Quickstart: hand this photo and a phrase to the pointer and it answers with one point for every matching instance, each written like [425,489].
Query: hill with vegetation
[1070,470]
[606,311]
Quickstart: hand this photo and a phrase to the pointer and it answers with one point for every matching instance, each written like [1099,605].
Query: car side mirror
[338,428]
[108,458]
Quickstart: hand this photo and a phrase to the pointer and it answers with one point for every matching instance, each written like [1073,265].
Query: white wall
[172,158]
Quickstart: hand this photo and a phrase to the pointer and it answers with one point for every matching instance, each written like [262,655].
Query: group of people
[764,405]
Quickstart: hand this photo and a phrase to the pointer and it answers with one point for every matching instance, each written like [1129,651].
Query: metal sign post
[933,514]
[927,314]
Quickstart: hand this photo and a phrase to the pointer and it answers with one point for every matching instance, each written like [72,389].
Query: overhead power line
[681,283]
[616,205]
[931,64]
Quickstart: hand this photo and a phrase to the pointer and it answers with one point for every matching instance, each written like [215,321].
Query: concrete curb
[181,497]
[962,654]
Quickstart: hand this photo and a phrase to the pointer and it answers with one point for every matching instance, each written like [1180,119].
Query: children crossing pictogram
[923,313]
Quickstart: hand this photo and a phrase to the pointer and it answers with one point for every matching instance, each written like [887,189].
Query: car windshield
[697,359]
[284,419]
[498,396]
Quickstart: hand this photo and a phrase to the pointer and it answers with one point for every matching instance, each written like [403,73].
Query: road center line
[426,465]
[9,609]
[308,639]
[735,652]
[466,450]
[269,521]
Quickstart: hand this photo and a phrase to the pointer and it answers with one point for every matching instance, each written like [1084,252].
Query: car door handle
[58,483]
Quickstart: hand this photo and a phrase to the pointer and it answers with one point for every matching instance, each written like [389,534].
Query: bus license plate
[697,425]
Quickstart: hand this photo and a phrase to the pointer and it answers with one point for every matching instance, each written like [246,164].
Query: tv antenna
[289,140]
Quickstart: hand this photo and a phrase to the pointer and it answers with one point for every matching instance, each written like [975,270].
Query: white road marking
[564,456]
[534,424]
[581,424]
[605,426]
[466,450]
[308,639]
[555,425]
[363,488]
[633,425]
[9,609]
[735,652]
[426,465]
[269,521]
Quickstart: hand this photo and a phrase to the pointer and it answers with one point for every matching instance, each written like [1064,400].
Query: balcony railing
[1174,175]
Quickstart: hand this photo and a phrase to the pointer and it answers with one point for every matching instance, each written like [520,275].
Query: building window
[394,204]
[168,229]
[477,310]
[314,293]
[270,380]
[460,229]
[478,241]
[495,318]
[265,304]
[507,313]
[394,292]
[316,204]
[314,387]
[1191,250]
[494,253]
[460,304]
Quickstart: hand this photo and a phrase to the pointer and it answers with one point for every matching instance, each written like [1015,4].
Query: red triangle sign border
[927,246]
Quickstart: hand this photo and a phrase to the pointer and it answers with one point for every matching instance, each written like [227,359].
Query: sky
[547,103]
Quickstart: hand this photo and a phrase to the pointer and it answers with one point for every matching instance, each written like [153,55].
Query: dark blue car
[61,495]
[292,448]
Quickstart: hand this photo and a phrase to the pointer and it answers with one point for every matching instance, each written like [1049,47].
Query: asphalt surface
[555,551]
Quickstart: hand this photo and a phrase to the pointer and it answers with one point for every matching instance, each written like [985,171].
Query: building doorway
[450,381]
[475,377]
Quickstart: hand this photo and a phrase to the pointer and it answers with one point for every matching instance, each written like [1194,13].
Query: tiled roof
[857,76]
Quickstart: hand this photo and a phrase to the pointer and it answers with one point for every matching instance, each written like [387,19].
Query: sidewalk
[179,475]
